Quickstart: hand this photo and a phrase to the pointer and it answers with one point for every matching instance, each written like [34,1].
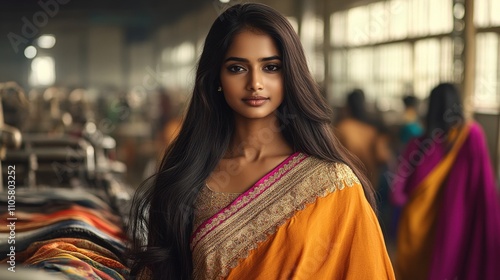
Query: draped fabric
[62,253]
[306,219]
[450,223]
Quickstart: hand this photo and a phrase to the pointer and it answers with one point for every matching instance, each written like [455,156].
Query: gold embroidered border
[231,210]
[222,248]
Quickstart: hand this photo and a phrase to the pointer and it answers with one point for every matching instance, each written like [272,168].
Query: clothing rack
[70,204]
[66,206]
[10,137]
[41,157]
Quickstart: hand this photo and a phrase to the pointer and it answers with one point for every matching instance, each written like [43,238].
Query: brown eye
[236,69]
[272,68]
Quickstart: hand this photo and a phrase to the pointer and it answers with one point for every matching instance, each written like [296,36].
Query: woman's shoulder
[475,128]
[336,175]
[476,134]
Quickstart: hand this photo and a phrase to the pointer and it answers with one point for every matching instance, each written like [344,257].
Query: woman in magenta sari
[450,224]
[256,186]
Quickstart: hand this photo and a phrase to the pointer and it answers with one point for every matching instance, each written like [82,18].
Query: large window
[390,20]
[391,48]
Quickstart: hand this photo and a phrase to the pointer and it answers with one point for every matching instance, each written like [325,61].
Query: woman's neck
[254,139]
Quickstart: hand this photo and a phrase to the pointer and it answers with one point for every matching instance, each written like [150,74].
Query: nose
[255,81]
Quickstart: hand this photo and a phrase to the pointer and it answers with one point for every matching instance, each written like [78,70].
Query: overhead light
[46,41]
[42,71]
[30,52]
[224,1]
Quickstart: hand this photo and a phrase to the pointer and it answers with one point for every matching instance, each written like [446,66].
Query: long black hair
[445,109]
[162,211]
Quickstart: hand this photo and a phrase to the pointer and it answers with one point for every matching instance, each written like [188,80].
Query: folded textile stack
[68,232]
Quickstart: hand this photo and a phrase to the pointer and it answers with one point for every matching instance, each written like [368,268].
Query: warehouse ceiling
[129,13]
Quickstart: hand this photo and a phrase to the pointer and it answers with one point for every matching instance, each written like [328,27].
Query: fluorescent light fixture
[46,41]
[30,52]
[43,71]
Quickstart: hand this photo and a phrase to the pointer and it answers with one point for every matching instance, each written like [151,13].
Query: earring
[219,89]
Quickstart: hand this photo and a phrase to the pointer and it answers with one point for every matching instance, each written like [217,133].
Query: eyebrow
[240,59]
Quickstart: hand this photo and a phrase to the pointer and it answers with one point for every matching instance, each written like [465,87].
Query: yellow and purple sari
[306,219]
[450,224]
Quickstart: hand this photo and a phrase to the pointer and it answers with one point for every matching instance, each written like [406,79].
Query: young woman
[256,186]
[450,224]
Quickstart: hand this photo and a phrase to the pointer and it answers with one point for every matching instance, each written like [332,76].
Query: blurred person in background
[450,224]
[411,127]
[364,136]
[256,186]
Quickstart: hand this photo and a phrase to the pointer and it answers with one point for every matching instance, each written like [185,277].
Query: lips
[255,101]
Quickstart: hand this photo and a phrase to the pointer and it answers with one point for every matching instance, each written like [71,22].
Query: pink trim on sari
[243,196]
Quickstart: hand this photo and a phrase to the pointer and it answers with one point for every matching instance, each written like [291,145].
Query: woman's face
[251,75]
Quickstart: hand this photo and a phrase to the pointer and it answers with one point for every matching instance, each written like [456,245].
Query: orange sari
[306,219]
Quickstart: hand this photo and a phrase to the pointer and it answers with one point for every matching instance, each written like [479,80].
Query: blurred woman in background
[450,224]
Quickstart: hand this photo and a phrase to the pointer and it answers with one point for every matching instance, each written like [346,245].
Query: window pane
[379,22]
[338,28]
[427,66]
[359,63]
[394,69]
[337,65]
[486,71]
[318,32]
[419,25]
[357,26]
[398,26]
[481,15]
[495,12]
[440,15]
[446,59]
